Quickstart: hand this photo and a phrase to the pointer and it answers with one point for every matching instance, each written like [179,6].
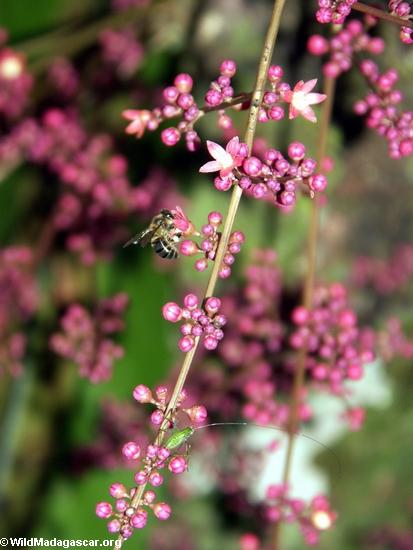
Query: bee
[164,233]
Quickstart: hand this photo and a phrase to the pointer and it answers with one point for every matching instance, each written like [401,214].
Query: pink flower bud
[177,465]
[228,68]
[138,520]
[215,218]
[172,312]
[114,526]
[183,83]
[318,182]
[317,45]
[141,477]
[149,496]
[155,479]
[186,343]
[162,510]
[142,394]
[170,136]
[131,450]
[188,248]
[191,301]
[103,510]
[212,304]
[197,414]
[118,490]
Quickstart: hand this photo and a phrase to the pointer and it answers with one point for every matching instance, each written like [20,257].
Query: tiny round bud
[142,394]
[139,519]
[162,510]
[228,68]
[177,465]
[318,182]
[183,83]
[170,136]
[118,490]
[155,479]
[114,526]
[172,312]
[188,248]
[186,343]
[191,301]
[197,414]
[296,151]
[212,305]
[215,218]
[103,510]
[131,450]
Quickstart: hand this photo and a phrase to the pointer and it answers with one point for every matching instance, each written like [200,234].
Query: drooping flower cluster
[403,9]
[18,302]
[331,336]
[313,518]
[334,11]
[209,245]
[274,178]
[15,81]
[380,107]
[131,513]
[342,47]
[180,103]
[198,321]
[86,339]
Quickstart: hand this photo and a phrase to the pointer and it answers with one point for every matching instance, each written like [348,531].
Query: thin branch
[381,14]
[256,100]
[308,290]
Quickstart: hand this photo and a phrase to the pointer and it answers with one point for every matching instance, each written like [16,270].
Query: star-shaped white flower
[300,100]
[225,159]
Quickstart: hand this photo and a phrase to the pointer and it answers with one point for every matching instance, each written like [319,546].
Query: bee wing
[143,238]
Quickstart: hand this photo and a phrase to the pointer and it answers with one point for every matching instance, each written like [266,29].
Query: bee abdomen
[164,249]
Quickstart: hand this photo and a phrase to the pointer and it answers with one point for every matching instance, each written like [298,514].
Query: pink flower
[181,220]
[225,159]
[139,120]
[300,100]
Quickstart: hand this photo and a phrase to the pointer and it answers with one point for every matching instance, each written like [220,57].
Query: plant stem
[381,14]
[308,290]
[256,100]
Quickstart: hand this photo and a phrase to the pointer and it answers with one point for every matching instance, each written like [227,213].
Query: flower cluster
[274,178]
[180,103]
[352,39]
[64,78]
[96,196]
[130,514]
[334,11]
[403,9]
[313,518]
[380,107]
[387,275]
[15,82]
[205,321]
[209,245]
[18,302]
[86,338]
[330,334]
[121,50]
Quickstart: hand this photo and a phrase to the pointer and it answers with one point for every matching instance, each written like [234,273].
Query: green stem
[308,290]
[256,100]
